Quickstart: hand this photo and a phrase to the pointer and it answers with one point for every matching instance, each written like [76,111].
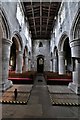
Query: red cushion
[19,79]
[59,79]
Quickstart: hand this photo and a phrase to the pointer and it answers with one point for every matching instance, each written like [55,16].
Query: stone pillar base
[6,85]
[74,87]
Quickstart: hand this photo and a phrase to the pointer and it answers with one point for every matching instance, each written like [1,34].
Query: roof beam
[33,18]
[44,17]
[44,5]
[40,16]
[39,26]
[48,17]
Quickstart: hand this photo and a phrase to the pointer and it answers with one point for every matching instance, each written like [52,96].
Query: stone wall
[44,51]
[71,9]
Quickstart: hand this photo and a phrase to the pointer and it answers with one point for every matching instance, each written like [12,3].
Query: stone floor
[39,104]
[61,95]
[23,93]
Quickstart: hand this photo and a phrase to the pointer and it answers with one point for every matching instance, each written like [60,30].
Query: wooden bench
[55,78]
[22,78]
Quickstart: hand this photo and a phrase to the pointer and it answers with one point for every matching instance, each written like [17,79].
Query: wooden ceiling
[41,18]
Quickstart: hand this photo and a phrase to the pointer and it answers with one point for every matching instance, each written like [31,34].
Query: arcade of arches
[22,52]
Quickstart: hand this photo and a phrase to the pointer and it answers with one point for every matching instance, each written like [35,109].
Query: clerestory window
[40,44]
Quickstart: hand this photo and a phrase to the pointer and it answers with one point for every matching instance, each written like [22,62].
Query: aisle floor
[39,104]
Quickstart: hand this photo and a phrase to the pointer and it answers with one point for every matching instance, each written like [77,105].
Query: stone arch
[14,51]
[67,55]
[40,56]
[18,40]
[61,41]
[4,26]
[75,49]
[5,43]
[75,25]
[64,54]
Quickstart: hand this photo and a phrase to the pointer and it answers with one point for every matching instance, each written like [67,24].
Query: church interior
[40,59]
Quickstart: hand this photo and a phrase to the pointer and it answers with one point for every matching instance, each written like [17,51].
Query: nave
[39,104]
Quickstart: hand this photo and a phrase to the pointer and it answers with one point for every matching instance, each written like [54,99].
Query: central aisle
[40,95]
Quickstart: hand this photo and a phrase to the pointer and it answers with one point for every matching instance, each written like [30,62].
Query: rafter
[39,26]
[43,5]
[40,16]
[33,18]
[48,17]
[44,17]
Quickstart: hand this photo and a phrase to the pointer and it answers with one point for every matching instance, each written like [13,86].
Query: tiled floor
[22,94]
[61,94]
[39,104]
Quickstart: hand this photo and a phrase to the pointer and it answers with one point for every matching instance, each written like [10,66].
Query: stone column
[29,64]
[5,63]
[55,64]
[51,65]
[75,50]
[61,62]
[19,62]
[0,66]
[75,85]
[26,63]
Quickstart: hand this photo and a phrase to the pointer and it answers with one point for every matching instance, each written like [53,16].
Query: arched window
[51,54]
[40,44]
[29,53]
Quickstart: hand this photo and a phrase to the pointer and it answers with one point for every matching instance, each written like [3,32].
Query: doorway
[40,64]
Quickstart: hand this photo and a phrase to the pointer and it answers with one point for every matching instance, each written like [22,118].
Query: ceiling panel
[41,16]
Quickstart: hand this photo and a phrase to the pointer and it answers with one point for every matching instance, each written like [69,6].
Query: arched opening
[12,62]
[51,63]
[67,55]
[40,44]
[64,54]
[29,53]
[13,52]
[40,64]
[25,59]
[5,44]
[15,48]
[55,69]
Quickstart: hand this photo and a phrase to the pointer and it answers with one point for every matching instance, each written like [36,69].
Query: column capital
[75,42]
[6,41]
[54,57]
[61,53]
[26,56]
[20,52]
